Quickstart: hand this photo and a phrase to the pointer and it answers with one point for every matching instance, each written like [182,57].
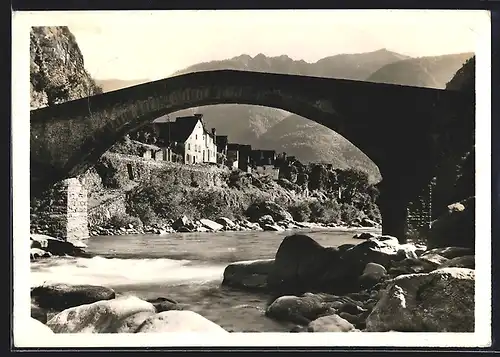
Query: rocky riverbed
[375,285]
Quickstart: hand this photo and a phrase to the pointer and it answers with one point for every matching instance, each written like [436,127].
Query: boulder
[37,328]
[248,275]
[381,250]
[365,222]
[406,251]
[450,252]
[439,301]
[298,309]
[226,222]
[132,323]
[57,246]
[364,235]
[105,316]
[375,269]
[266,219]
[331,323]
[62,296]
[213,226]
[179,321]
[434,259]
[411,266]
[272,228]
[163,304]
[259,209]
[467,261]
[183,223]
[456,227]
[302,265]
[372,274]
[36,253]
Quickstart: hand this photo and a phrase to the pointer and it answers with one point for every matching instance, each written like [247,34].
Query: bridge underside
[398,127]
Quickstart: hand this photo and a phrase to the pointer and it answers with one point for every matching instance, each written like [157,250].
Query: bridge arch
[90,126]
[395,126]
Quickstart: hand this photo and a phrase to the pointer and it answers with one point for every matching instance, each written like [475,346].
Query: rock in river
[331,323]
[302,265]
[299,309]
[61,296]
[439,301]
[106,316]
[179,321]
[248,275]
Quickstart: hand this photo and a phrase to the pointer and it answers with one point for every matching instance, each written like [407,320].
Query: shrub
[300,211]
[123,219]
[325,212]
[350,213]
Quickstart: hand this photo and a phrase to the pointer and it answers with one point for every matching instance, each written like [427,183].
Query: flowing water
[186,267]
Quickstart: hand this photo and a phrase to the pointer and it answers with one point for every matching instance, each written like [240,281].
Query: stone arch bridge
[399,127]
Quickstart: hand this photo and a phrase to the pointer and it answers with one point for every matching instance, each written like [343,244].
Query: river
[186,267]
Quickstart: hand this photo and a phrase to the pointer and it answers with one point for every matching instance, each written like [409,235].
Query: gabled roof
[180,129]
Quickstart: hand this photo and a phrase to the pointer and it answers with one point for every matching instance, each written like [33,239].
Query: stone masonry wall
[171,173]
[62,211]
[100,214]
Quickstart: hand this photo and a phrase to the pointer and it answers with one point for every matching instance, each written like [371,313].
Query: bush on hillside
[300,211]
[327,211]
[123,220]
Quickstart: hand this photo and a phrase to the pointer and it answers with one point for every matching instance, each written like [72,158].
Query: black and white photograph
[251,178]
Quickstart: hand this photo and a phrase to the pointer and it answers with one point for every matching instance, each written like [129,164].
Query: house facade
[187,138]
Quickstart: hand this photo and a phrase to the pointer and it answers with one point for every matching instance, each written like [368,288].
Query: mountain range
[270,128]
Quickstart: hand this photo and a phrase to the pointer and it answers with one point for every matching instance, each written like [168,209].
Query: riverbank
[223,224]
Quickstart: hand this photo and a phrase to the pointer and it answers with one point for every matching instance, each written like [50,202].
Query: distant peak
[243,56]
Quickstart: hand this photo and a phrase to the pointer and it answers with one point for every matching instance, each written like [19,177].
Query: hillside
[312,142]
[433,72]
[57,70]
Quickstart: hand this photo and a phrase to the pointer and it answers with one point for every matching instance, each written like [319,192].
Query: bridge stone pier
[400,128]
[65,215]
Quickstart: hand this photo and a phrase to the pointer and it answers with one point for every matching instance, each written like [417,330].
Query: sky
[153,44]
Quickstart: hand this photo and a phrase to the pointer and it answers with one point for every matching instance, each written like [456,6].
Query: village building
[262,157]
[186,140]
[238,156]
[264,163]
[221,142]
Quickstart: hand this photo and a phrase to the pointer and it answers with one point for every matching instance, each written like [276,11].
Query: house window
[196,136]
[189,146]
